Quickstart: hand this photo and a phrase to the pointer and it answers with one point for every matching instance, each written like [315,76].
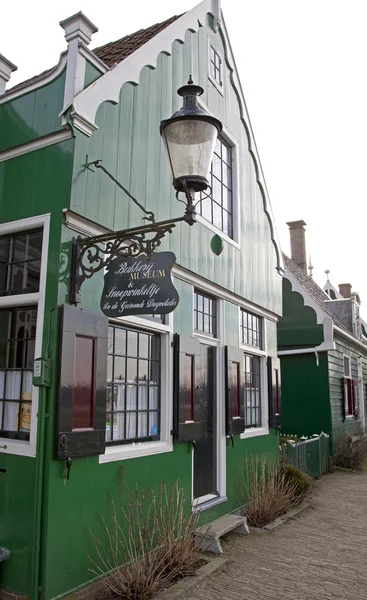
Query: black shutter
[234,382]
[187,383]
[81,418]
[274,392]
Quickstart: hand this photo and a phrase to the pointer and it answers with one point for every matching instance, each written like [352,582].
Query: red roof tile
[115,52]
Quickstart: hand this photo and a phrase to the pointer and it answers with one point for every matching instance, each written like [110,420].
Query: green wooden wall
[48,180]
[305,394]
[336,375]
[297,328]
[311,394]
[33,184]
[91,74]
[32,115]
[129,143]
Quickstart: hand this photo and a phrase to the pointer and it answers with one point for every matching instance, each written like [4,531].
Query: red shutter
[81,414]
[188,389]
[350,396]
[234,382]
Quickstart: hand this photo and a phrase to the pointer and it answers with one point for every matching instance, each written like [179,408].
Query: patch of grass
[148,544]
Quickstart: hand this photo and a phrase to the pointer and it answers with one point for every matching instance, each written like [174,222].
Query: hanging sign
[138,286]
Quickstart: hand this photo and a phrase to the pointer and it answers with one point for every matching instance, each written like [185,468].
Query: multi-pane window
[250,329]
[20,262]
[346,366]
[215,66]
[205,313]
[17,342]
[156,317]
[217,208]
[133,385]
[252,391]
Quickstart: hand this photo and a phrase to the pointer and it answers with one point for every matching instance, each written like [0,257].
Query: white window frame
[236,203]
[349,375]
[348,415]
[29,447]
[165,443]
[218,86]
[255,351]
[219,398]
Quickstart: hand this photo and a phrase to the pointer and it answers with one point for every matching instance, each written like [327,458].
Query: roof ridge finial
[190,81]
[310,267]
[327,274]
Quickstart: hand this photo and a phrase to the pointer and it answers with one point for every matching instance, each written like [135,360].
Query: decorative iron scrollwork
[90,255]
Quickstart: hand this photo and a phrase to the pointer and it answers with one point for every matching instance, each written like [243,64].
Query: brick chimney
[345,289]
[298,244]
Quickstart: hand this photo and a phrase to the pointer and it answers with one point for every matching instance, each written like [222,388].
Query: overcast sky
[303,68]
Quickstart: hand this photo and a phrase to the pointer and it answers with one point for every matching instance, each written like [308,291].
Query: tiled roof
[313,290]
[115,52]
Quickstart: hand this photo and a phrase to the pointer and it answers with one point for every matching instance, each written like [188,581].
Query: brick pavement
[320,554]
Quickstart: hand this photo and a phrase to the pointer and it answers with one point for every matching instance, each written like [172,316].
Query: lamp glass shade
[190,144]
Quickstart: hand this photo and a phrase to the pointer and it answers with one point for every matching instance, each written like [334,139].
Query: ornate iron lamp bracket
[90,255]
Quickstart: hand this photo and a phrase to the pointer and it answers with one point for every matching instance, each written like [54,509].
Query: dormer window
[215,67]
[331,294]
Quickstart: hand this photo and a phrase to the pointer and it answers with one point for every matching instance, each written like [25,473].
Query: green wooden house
[141,400]
[322,345]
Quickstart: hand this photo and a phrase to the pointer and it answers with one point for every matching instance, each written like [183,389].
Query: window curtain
[136,414]
[13,392]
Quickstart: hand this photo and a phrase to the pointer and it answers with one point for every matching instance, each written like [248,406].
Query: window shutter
[235,397]
[274,392]
[188,386]
[81,418]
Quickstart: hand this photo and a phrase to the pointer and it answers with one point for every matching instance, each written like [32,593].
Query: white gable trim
[322,318]
[307,298]
[43,80]
[107,87]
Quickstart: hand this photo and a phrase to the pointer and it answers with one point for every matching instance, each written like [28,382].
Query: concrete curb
[176,590]
[281,520]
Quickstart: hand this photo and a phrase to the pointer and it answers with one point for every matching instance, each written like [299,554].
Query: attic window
[215,67]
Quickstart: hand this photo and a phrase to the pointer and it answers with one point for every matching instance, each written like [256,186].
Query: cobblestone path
[319,555]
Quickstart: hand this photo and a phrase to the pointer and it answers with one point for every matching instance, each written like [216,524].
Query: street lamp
[189,137]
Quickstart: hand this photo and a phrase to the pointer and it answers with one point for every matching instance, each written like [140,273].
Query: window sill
[136,450]
[214,229]
[209,504]
[254,432]
[17,447]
